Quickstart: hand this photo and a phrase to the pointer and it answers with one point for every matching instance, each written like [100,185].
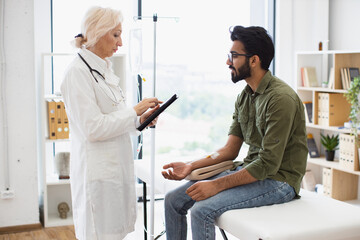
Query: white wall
[302,24]
[20,55]
[344,21]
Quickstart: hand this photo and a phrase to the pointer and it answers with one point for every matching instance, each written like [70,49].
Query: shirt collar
[95,61]
[262,86]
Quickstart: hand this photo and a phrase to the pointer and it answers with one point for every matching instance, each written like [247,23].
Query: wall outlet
[7,194]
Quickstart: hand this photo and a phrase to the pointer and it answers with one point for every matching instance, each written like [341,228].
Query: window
[193,40]
[191,61]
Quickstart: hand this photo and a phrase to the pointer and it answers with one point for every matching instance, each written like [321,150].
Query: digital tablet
[157,112]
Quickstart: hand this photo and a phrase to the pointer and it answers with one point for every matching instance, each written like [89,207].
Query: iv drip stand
[150,230]
[152,158]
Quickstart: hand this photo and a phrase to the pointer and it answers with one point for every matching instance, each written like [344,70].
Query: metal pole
[152,129]
[152,159]
[145,210]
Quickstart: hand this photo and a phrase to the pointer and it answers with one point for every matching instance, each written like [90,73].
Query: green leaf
[330,143]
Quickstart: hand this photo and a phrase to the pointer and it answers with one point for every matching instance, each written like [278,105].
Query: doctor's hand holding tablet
[142,107]
[151,116]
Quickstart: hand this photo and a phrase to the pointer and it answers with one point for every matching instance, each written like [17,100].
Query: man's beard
[242,72]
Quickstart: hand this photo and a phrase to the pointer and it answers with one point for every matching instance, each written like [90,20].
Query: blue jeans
[204,213]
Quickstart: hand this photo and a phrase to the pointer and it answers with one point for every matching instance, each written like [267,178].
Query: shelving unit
[344,183]
[53,190]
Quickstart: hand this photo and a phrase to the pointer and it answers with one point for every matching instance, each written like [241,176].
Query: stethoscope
[92,71]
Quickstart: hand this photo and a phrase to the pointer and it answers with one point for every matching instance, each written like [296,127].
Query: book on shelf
[302,77]
[353,72]
[313,151]
[343,78]
[308,111]
[308,77]
[347,76]
[331,81]
[51,105]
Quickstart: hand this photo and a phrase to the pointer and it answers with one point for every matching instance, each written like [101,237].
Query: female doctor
[102,172]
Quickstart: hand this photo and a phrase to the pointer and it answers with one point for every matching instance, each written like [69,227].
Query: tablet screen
[157,112]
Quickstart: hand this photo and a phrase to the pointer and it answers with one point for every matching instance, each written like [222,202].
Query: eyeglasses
[234,54]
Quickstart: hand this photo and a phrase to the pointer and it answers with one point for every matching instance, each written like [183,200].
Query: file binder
[348,157]
[51,119]
[59,125]
[64,121]
[327,181]
[333,109]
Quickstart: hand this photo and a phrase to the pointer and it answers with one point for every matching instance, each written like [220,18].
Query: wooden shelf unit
[344,183]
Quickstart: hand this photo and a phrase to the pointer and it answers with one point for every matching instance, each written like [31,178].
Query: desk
[162,185]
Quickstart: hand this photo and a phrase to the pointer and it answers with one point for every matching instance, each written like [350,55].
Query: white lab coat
[102,169]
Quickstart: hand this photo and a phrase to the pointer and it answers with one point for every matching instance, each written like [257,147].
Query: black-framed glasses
[231,55]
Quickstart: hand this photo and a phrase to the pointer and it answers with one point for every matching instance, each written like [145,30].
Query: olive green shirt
[272,122]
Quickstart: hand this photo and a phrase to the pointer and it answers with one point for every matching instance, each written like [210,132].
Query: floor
[67,232]
[57,233]
[159,226]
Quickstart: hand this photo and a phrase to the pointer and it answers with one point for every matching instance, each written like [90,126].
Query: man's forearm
[241,177]
[229,152]
[209,160]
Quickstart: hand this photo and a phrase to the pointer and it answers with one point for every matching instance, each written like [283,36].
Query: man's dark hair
[256,42]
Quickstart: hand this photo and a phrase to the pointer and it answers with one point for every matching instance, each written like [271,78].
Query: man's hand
[179,170]
[203,190]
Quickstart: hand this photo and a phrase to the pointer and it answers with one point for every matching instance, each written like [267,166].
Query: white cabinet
[344,183]
[53,190]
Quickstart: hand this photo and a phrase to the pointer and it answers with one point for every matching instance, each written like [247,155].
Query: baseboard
[20,228]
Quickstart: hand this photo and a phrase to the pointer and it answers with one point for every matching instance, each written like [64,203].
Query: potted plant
[352,96]
[330,144]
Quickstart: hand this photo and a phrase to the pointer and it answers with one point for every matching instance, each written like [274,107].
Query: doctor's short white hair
[96,23]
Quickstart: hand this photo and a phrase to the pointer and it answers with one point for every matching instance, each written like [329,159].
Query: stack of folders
[333,109]
[327,181]
[58,123]
[347,76]
[348,158]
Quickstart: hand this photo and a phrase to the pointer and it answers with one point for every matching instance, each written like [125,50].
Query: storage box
[333,109]
[348,158]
